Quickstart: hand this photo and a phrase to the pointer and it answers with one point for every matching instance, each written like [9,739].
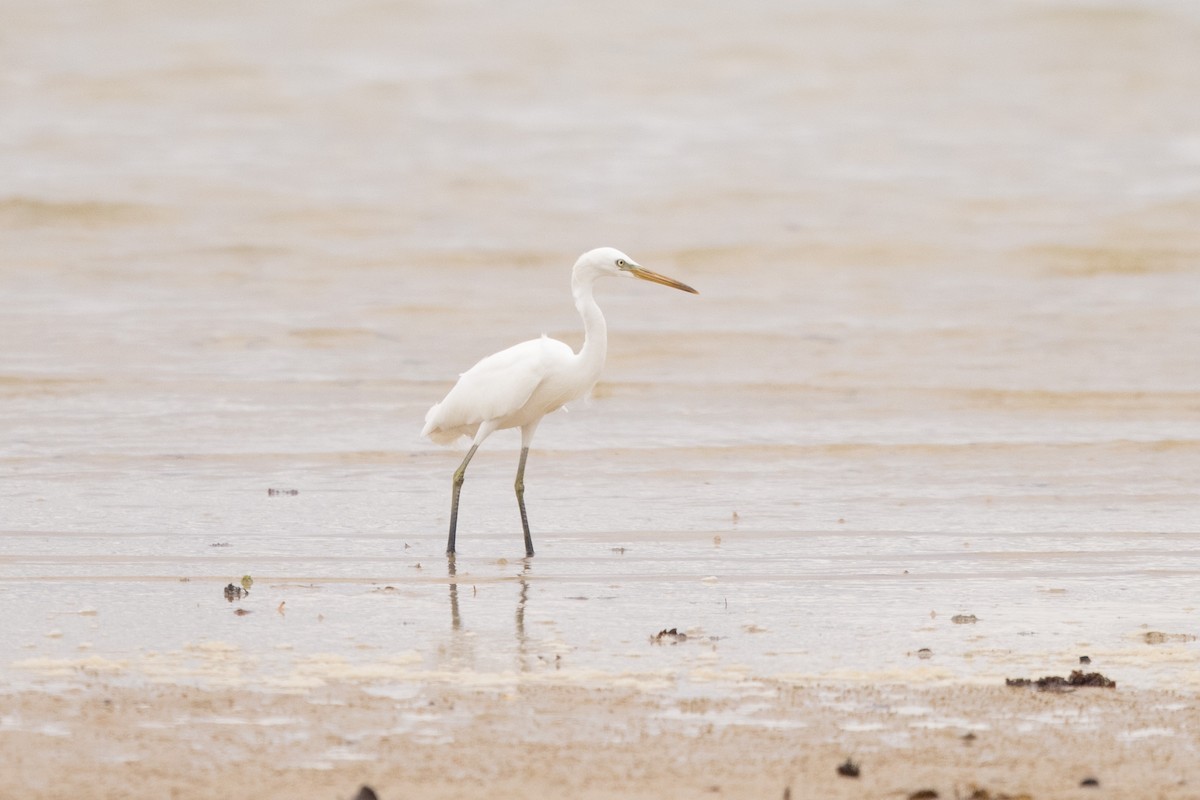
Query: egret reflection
[456,621]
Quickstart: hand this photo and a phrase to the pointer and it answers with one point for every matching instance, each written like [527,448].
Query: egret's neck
[595,332]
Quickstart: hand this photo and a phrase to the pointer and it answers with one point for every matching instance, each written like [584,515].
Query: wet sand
[541,737]
[938,396]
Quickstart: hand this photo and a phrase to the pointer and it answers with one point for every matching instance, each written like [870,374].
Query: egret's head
[611,261]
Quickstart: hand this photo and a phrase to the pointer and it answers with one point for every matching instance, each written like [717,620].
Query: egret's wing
[496,387]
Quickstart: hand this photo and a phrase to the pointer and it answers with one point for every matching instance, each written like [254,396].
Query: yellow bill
[654,277]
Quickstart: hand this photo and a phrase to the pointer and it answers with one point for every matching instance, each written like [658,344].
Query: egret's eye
[621,263]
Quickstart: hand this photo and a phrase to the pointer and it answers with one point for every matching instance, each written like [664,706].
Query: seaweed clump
[1059,683]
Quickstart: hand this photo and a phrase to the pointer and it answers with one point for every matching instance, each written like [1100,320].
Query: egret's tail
[437,434]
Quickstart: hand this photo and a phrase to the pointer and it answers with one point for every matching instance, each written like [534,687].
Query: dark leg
[520,487]
[459,475]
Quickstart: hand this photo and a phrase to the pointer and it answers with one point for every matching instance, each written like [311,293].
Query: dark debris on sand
[974,793]
[983,794]
[673,636]
[848,769]
[1058,683]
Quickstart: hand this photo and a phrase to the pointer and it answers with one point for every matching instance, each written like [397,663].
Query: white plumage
[513,387]
[516,387]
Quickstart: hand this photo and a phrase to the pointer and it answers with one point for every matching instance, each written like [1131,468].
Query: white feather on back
[499,387]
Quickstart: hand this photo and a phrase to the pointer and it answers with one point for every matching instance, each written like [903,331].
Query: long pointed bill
[654,277]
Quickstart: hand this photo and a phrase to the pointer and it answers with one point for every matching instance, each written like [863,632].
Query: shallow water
[943,360]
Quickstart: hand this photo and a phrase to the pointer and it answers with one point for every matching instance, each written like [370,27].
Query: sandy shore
[547,740]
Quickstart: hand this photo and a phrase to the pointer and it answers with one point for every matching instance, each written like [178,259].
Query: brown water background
[944,359]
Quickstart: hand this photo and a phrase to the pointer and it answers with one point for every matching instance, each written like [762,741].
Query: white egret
[516,387]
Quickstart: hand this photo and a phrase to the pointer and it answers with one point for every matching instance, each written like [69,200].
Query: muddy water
[943,360]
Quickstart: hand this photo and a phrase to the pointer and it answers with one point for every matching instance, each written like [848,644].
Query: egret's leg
[459,476]
[526,437]
[485,430]
[520,487]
